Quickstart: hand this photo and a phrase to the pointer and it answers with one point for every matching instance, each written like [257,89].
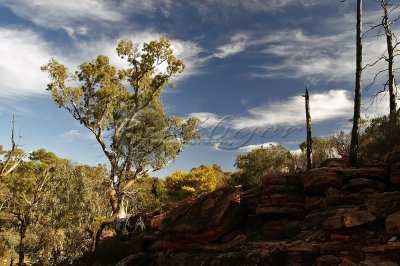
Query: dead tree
[388,56]
[309,138]
[354,146]
[13,157]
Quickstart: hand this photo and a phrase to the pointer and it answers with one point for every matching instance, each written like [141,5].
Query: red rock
[393,246]
[334,222]
[374,249]
[317,181]
[393,224]
[313,203]
[340,238]
[204,218]
[380,172]
[237,242]
[281,229]
[395,174]
[135,259]
[328,260]
[357,217]
[365,185]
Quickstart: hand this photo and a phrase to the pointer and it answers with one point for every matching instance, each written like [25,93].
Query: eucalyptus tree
[122,108]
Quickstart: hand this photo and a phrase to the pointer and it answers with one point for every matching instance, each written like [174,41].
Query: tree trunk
[21,248]
[117,198]
[354,147]
[390,60]
[309,138]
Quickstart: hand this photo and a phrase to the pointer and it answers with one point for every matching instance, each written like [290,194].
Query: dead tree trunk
[309,137]
[354,147]
[390,60]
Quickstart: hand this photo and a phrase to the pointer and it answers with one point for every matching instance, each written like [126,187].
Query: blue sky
[248,63]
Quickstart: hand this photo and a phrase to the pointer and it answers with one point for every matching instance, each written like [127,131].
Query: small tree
[128,121]
[262,161]
[180,185]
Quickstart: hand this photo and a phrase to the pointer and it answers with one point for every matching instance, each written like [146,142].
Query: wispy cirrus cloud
[226,7]
[237,44]
[248,148]
[24,51]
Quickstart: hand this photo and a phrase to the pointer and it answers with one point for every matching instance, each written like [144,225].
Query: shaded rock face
[317,181]
[282,197]
[393,224]
[290,220]
[205,218]
[395,174]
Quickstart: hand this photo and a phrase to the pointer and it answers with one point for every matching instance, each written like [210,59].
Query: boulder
[357,217]
[383,204]
[379,173]
[328,260]
[336,218]
[135,259]
[281,205]
[317,181]
[365,185]
[282,197]
[313,203]
[395,174]
[393,224]
[281,229]
[204,218]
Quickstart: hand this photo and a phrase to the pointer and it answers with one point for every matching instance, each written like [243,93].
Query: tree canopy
[122,108]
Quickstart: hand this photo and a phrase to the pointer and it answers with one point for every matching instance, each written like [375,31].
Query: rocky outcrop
[393,224]
[331,215]
[203,219]
[317,181]
[395,174]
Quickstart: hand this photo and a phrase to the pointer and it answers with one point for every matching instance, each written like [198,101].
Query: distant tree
[379,137]
[146,195]
[259,162]
[180,185]
[50,206]
[128,122]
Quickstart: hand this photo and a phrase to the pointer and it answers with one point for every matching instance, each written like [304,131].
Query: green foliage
[53,203]
[122,108]
[146,195]
[337,145]
[379,137]
[180,185]
[259,162]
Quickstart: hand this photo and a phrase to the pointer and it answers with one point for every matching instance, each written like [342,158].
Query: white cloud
[236,45]
[328,105]
[208,119]
[64,14]
[22,53]
[70,135]
[255,6]
[256,146]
